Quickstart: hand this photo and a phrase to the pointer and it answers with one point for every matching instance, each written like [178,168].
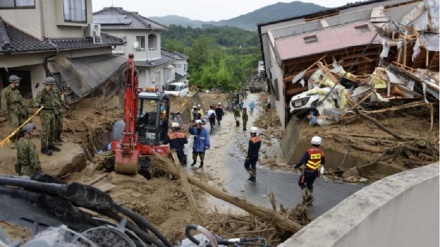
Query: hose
[204,231]
[142,222]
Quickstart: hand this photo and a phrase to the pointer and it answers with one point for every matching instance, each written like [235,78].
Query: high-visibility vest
[315,157]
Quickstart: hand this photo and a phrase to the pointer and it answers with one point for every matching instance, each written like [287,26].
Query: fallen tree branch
[279,220]
[398,137]
[186,186]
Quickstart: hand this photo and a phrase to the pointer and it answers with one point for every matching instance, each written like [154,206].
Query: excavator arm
[126,153]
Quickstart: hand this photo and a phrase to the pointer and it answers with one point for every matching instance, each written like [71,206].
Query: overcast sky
[203,10]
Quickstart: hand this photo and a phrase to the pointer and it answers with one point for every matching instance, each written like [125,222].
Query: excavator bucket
[127,163]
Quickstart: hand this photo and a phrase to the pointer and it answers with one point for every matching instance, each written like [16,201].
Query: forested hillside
[219,57]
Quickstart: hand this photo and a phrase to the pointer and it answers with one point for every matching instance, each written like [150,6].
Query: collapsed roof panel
[334,38]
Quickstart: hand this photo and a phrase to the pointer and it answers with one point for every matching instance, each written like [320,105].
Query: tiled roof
[165,57]
[13,40]
[137,21]
[86,42]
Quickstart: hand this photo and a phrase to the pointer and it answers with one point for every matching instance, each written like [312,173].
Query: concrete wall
[398,211]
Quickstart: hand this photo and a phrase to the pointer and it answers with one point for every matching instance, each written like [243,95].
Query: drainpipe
[43,30]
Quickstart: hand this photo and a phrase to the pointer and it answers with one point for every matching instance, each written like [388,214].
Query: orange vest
[175,135]
[256,139]
[315,156]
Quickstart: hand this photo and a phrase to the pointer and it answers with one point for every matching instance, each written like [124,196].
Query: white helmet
[199,105]
[198,121]
[254,130]
[316,140]
[194,107]
[175,125]
[219,103]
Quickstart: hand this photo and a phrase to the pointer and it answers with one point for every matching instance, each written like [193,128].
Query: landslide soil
[160,200]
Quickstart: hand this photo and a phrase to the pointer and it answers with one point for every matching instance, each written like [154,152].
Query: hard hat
[316,140]
[175,125]
[198,121]
[219,103]
[198,105]
[14,78]
[194,106]
[49,80]
[254,130]
[28,128]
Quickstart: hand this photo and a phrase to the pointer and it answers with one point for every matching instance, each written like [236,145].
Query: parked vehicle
[179,89]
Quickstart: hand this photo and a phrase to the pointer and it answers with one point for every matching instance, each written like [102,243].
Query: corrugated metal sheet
[85,74]
[330,39]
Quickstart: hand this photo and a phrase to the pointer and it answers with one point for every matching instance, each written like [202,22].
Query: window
[311,39]
[363,29]
[13,4]
[141,42]
[157,77]
[152,42]
[185,67]
[277,94]
[75,10]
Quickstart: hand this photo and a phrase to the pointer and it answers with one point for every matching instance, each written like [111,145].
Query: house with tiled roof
[58,38]
[156,66]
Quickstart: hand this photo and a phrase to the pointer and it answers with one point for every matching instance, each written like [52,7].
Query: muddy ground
[163,202]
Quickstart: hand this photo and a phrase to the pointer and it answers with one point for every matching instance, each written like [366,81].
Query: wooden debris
[373,120]
[280,221]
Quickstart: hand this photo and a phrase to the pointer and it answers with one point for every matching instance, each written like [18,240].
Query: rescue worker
[12,106]
[194,113]
[250,163]
[46,98]
[59,115]
[313,159]
[219,113]
[251,107]
[211,117]
[201,142]
[178,119]
[237,116]
[200,110]
[177,141]
[244,117]
[28,162]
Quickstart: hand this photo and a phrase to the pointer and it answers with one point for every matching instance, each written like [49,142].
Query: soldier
[46,98]
[28,162]
[12,105]
[245,118]
[59,115]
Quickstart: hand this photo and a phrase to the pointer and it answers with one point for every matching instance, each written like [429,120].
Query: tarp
[85,74]
[431,41]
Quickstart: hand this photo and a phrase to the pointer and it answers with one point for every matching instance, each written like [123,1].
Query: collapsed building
[380,52]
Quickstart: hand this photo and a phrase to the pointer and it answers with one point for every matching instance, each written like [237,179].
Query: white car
[179,89]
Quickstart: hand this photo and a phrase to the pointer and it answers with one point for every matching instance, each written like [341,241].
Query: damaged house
[380,52]
[58,38]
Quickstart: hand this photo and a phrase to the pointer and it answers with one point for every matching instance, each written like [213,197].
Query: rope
[6,140]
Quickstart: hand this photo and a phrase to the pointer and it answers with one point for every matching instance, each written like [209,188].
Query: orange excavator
[143,130]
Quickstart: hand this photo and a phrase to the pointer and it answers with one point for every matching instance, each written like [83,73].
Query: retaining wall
[401,210]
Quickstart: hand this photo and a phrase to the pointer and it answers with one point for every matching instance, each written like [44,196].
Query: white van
[179,89]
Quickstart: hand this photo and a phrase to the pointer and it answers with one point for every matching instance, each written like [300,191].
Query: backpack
[212,116]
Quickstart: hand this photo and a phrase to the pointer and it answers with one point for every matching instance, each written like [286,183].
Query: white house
[156,66]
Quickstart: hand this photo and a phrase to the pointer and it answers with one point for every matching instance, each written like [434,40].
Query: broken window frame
[311,39]
[363,29]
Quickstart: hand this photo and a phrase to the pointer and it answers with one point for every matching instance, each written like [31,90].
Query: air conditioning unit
[93,30]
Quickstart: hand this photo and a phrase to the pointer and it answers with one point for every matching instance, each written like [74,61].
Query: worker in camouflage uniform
[46,98]
[28,161]
[59,115]
[12,105]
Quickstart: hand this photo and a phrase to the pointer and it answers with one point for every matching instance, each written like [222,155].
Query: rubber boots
[201,165]
[54,148]
[46,151]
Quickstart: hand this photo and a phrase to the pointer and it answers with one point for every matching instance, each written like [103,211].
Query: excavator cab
[152,118]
